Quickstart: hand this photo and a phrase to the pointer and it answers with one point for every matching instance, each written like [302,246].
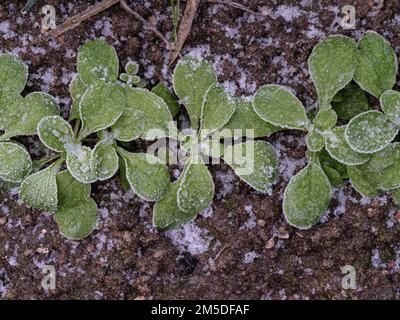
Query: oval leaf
[191,79]
[332,64]
[147,175]
[315,142]
[100,107]
[97,60]
[78,163]
[55,133]
[104,161]
[196,190]
[390,104]
[15,162]
[258,168]
[370,132]
[325,119]
[13,76]
[377,64]
[39,190]
[280,107]
[71,191]
[77,89]
[307,197]
[338,148]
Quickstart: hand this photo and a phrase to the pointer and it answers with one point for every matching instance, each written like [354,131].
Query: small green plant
[338,152]
[213,115]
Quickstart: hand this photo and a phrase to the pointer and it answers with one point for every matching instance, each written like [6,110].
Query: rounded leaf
[307,197]
[370,132]
[338,148]
[77,90]
[192,78]
[390,104]
[78,221]
[377,64]
[104,161]
[13,75]
[71,191]
[55,133]
[97,60]
[255,162]
[147,175]
[325,119]
[332,64]
[78,163]
[15,162]
[278,106]
[315,142]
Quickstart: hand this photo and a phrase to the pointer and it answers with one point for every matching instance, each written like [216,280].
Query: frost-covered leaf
[350,102]
[377,64]
[13,76]
[278,106]
[390,104]
[196,190]
[307,196]
[192,78]
[315,141]
[78,221]
[100,107]
[325,119]
[39,190]
[145,115]
[396,196]
[23,115]
[255,162]
[147,175]
[55,133]
[332,64]
[363,180]
[70,190]
[77,89]
[338,148]
[15,162]
[334,170]
[97,60]
[78,163]
[163,92]
[104,161]
[244,118]
[132,67]
[218,107]
[166,213]
[370,132]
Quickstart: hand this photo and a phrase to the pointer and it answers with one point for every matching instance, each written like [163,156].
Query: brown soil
[125,257]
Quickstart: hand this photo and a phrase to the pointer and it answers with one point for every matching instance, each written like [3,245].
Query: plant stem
[76,128]
[39,164]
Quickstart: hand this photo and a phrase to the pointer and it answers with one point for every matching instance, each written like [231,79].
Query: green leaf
[15,162]
[164,93]
[338,148]
[77,222]
[332,64]
[351,101]
[55,133]
[146,116]
[166,213]
[23,115]
[104,161]
[191,80]
[396,196]
[77,89]
[147,175]
[39,190]
[100,107]
[97,60]
[196,190]
[334,170]
[78,163]
[325,119]
[377,64]
[245,119]
[315,141]
[255,162]
[307,196]
[390,104]
[278,106]
[370,132]
[13,76]
[363,180]
[218,107]
[70,190]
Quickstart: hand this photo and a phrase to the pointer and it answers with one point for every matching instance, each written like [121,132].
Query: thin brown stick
[147,24]
[236,5]
[79,18]
[184,28]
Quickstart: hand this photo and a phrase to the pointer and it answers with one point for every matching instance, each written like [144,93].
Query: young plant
[332,66]
[213,113]
[19,116]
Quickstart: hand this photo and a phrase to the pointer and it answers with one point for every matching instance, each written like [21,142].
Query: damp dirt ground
[241,247]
